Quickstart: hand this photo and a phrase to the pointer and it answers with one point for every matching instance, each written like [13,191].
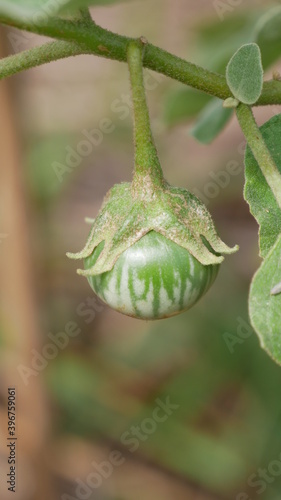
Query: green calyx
[149,203]
[130,211]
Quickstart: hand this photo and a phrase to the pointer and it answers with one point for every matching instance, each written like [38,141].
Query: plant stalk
[146,158]
[259,149]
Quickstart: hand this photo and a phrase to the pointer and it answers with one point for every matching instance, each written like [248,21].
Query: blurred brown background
[77,398]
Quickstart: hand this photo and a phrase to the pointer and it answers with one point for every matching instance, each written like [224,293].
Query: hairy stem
[101,42]
[37,56]
[146,158]
[259,149]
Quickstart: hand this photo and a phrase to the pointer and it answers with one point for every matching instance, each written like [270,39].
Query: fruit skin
[154,278]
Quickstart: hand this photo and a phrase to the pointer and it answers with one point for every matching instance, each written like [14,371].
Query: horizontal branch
[104,43]
[37,56]
[96,40]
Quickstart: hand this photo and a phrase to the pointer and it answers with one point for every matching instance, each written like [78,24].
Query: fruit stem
[146,157]
[259,149]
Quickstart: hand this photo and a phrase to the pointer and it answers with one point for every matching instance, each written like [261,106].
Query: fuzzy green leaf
[244,73]
[211,121]
[265,308]
[258,194]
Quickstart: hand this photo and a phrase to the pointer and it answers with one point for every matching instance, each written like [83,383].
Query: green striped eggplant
[151,255]
[153,249]
[154,278]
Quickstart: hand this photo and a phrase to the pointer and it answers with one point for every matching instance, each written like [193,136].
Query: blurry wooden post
[18,321]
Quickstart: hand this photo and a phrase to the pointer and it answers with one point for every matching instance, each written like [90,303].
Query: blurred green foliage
[216,43]
[43,183]
[212,119]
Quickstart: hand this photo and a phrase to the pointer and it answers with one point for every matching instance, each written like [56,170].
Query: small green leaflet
[244,73]
[211,121]
[265,308]
[257,193]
